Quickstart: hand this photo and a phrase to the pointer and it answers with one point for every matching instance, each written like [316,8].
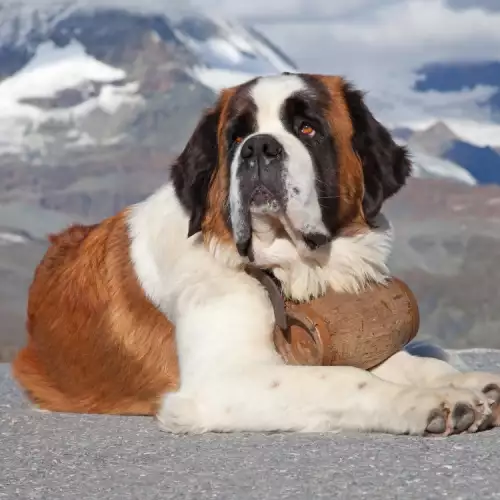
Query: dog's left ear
[193,170]
[386,165]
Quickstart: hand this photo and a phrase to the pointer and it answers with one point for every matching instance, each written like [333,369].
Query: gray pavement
[59,456]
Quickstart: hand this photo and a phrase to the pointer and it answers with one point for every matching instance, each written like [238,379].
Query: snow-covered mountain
[83,75]
[476,145]
[78,74]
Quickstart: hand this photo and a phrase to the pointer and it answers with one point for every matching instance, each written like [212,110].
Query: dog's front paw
[179,414]
[484,382]
[446,411]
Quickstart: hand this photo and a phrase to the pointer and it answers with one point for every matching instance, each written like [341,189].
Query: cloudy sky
[377,44]
[361,36]
[339,34]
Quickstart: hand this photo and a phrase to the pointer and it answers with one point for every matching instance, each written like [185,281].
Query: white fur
[345,265]
[231,375]
[235,202]
[303,208]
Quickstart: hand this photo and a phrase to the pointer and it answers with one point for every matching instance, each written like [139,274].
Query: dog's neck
[352,260]
[356,257]
[347,264]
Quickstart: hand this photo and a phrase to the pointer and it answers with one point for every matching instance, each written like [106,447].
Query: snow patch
[51,71]
[225,49]
[55,69]
[111,99]
[218,79]
[474,132]
[480,134]
[11,239]
[426,166]
[232,57]
[236,36]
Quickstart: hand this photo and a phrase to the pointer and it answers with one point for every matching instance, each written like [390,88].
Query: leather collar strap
[283,319]
[269,282]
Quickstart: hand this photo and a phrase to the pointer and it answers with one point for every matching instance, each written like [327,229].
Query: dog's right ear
[386,164]
[194,169]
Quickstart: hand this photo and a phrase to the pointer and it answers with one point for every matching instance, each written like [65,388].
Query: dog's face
[301,152]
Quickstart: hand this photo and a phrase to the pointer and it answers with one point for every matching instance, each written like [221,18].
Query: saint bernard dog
[152,312]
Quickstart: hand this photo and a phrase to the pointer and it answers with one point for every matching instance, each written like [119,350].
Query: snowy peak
[57,69]
[229,45]
[99,25]
[442,152]
[115,74]
[229,54]
[435,140]
[426,166]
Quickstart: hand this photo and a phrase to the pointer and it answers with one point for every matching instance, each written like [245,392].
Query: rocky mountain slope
[447,244]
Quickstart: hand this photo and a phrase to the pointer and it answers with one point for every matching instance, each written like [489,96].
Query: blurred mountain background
[97,97]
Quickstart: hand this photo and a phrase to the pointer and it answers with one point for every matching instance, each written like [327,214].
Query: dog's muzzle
[261,173]
[261,184]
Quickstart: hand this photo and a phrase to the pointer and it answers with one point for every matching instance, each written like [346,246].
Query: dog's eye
[238,139]
[307,129]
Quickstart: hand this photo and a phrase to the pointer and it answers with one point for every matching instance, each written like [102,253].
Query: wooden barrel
[360,330]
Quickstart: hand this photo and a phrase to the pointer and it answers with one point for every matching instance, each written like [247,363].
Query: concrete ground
[60,456]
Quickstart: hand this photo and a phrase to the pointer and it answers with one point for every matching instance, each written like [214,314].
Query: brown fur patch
[214,223]
[352,230]
[96,344]
[350,181]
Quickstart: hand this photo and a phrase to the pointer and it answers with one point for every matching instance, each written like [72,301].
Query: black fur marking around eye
[386,165]
[297,110]
[311,107]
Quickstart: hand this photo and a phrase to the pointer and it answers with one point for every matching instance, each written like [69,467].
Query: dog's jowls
[151,311]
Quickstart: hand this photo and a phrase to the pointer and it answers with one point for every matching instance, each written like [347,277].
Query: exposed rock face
[447,244]
[98,99]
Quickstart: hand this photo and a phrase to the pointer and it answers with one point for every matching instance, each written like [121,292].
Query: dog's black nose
[261,146]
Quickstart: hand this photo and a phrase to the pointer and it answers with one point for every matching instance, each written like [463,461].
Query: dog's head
[300,151]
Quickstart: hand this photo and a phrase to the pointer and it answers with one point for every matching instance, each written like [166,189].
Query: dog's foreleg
[232,379]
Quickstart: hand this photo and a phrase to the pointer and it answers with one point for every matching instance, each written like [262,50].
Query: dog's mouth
[265,218]
[263,200]
[263,215]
